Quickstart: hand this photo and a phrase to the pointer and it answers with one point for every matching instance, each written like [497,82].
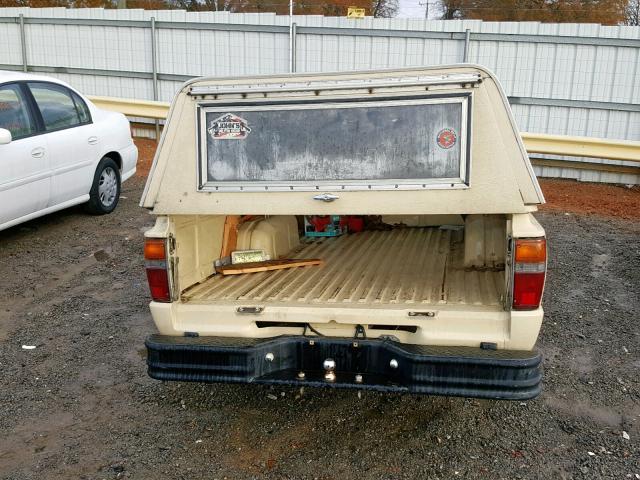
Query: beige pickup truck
[368,230]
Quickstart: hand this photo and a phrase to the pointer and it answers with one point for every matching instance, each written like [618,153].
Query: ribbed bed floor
[399,266]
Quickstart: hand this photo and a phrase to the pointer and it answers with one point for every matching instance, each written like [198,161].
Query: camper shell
[391,216]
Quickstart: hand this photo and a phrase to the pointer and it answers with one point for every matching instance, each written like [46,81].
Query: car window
[14,112]
[56,106]
[81,107]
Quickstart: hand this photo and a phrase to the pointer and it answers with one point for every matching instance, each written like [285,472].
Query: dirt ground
[80,405]
[591,198]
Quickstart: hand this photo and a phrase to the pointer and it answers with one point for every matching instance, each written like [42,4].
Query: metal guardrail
[133,108]
[560,145]
[582,146]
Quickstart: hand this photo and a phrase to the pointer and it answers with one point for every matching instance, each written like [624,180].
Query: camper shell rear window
[394,143]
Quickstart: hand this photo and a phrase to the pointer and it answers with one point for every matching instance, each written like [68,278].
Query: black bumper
[360,363]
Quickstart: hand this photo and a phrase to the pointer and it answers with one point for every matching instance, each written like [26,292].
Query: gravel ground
[79,405]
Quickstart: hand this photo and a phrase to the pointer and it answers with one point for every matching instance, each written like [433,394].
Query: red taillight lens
[527,290]
[530,266]
[156,265]
[159,284]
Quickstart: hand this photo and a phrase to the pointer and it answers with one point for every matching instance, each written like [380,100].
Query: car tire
[105,190]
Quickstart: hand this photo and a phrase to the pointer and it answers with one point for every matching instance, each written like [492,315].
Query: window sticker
[446,138]
[229,127]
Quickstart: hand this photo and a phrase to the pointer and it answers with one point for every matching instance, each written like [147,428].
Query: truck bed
[402,266]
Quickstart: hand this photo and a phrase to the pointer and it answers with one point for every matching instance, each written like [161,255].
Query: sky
[416,9]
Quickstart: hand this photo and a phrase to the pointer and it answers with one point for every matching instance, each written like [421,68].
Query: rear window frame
[207,106]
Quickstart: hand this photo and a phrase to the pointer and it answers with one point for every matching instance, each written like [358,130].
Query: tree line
[376,8]
[606,12]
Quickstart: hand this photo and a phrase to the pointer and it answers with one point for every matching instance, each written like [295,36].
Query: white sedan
[57,149]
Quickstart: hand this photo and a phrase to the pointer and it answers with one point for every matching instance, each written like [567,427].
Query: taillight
[529,271]
[155,260]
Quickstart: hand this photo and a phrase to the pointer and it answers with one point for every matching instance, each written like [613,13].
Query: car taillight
[529,267]
[155,260]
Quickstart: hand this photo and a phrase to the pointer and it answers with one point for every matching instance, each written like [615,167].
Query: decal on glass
[446,138]
[229,127]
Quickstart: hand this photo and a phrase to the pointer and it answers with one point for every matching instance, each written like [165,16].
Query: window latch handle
[326,197]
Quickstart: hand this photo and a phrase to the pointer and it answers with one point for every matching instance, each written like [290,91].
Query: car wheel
[105,190]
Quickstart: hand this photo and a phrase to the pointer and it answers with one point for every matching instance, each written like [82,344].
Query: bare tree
[451,9]
[632,13]
[386,8]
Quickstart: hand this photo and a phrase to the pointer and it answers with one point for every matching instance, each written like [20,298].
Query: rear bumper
[452,371]
[129,161]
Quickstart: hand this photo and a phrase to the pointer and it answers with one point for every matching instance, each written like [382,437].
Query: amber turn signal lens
[154,249]
[532,250]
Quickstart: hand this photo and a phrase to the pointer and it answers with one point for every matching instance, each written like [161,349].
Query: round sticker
[446,138]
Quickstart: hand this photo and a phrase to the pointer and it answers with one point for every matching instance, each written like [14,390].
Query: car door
[24,169]
[72,140]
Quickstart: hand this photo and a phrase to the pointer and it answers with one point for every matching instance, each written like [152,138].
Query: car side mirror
[5,136]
